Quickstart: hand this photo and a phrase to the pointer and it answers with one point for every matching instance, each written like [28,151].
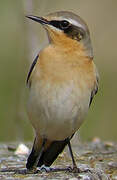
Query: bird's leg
[35,156]
[75,169]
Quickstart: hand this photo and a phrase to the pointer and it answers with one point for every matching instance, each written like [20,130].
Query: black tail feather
[35,155]
[45,157]
[32,158]
[50,155]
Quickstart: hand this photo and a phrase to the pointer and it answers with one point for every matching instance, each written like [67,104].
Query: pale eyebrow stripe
[76,23]
[72,21]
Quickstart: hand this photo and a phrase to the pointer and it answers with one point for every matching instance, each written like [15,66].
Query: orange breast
[59,66]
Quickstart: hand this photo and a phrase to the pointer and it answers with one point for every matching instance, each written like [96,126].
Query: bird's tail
[52,152]
[47,156]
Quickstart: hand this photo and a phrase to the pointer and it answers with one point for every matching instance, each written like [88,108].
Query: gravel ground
[96,160]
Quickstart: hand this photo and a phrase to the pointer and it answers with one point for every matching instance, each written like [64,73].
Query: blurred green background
[20,41]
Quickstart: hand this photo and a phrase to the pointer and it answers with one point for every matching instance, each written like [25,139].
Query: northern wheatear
[62,83]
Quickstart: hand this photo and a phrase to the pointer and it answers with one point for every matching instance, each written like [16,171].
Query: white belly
[57,112]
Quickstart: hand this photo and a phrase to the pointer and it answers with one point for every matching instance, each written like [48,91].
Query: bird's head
[66,28]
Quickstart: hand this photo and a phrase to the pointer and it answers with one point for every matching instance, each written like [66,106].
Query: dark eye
[64,24]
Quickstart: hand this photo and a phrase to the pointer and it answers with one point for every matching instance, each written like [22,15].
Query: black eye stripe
[55,24]
[70,30]
[60,24]
[64,24]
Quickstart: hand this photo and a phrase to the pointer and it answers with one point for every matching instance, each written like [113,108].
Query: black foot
[75,169]
[49,169]
[44,168]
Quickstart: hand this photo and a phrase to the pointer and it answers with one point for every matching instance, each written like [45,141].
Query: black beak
[40,20]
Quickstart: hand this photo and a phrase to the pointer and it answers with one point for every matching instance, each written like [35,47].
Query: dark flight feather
[94,92]
[31,69]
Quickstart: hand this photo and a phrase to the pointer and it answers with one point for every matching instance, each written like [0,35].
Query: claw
[73,170]
[76,170]
[44,168]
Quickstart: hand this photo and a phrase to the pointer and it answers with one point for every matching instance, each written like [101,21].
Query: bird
[62,82]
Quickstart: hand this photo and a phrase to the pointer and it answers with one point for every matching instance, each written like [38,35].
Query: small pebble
[112,164]
[109,144]
[22,149]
